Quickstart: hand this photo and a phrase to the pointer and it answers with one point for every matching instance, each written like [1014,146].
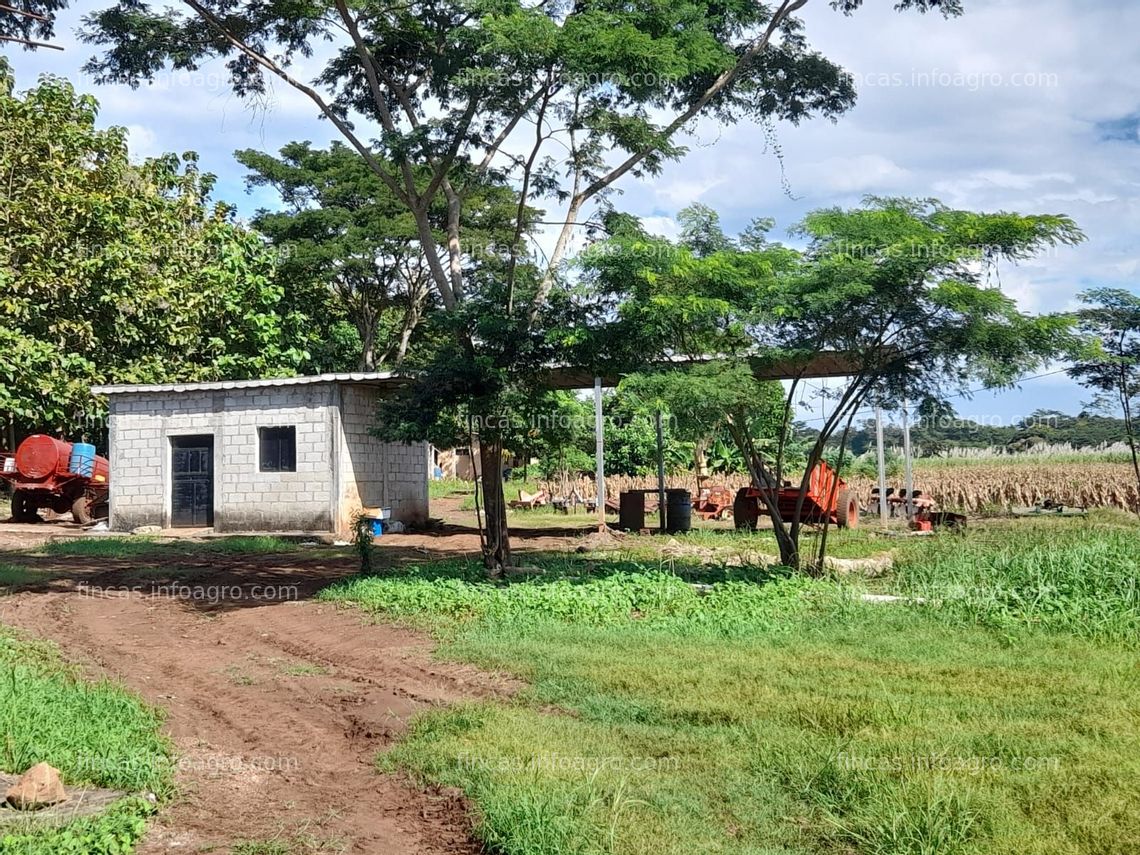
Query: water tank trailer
[45,472]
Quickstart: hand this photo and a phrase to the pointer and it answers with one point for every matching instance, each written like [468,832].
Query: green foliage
[347,242]
[896,284]
[114,832]
[704,401]
[114,272]
[1109,361]
[92,732]
[615,596]
[454,89]
[362,538]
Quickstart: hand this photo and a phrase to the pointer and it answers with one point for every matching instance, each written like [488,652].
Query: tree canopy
[342,230]
[894,291]
[116,272]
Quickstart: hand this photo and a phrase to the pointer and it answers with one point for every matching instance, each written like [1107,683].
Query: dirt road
[277,704]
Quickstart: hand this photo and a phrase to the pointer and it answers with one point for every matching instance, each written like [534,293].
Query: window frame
[279,438]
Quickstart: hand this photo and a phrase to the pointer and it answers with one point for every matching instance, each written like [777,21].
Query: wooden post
[660,475]
[908,468]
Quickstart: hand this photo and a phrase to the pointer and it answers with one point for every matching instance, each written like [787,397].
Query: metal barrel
[631,510]
[678,510]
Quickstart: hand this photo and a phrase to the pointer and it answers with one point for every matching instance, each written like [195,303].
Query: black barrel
[631,511]
[678,510]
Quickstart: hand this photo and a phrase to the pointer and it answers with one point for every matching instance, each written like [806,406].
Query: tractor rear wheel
[81,511]
[847,509]
[24,508]
[744,511]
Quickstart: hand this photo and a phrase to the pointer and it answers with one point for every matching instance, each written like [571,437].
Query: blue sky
[1027,105]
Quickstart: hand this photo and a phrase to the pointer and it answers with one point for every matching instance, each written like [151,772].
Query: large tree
[342,228]
[893,292]
[1110,361]
[113,271]
[444,97]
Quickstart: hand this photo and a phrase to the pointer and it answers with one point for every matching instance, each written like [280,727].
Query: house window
[278,449]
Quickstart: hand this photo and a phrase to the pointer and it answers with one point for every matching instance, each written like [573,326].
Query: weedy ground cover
[775,714]
[94,733]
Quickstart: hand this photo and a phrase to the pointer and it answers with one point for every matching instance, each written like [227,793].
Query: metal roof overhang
[562,377]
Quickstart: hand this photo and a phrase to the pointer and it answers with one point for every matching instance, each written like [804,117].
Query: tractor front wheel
[847,509]
[81,511]
[24,509]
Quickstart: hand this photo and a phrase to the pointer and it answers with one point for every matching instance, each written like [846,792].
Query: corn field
[973,488]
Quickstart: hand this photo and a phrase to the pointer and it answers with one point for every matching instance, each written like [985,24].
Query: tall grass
[1078,579]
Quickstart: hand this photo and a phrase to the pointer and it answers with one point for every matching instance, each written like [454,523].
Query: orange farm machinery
[45,472]
[827,500]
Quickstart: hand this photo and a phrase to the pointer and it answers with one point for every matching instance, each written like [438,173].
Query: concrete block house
[283,455]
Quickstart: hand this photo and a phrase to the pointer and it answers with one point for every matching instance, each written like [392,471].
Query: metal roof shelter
[361,378]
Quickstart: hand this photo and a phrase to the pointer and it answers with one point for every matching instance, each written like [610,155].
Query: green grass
[438,488]
[12,576]
[785,717]
[130,547]
[728,543]
[1080,577]
[94,733]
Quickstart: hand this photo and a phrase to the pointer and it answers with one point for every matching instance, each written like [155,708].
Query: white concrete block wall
[375,473]
[245,499]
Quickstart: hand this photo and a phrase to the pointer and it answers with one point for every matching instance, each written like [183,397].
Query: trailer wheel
[24,507]
[744,511]
[81,511]
[847,509]
[101,510]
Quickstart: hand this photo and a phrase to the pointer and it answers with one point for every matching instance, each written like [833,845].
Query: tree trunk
[367,328]
[1130,430]
[762,478]
[497,546]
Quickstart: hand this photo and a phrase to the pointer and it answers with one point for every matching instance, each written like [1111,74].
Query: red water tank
[40,457]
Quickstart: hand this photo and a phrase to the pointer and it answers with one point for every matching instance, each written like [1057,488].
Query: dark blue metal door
[192,482]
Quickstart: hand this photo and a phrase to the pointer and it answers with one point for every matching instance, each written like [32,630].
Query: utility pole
[908,467]
[882,466]
[600,453]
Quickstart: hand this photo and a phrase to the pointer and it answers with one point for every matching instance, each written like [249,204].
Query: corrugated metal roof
[367,378]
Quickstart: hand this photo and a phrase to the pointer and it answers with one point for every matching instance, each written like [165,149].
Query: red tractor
[828,500]
[49,473]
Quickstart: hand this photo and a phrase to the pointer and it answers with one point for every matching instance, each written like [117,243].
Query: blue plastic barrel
[82,459]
